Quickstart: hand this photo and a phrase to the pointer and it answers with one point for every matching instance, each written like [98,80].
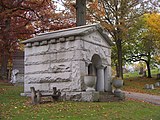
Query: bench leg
[55,98]
[54,90]
[38,97]
[33,98]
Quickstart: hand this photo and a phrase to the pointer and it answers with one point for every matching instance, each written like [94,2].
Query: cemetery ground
[137,85]
[134,82]
[15,107]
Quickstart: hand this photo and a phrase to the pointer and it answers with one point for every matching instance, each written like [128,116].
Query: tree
[153,23]
[117,16]
[21,19]
[141,43]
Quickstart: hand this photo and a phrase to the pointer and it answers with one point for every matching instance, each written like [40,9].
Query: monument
[65,58]
[17,76]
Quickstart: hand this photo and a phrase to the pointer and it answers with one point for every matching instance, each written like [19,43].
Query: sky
[59,5]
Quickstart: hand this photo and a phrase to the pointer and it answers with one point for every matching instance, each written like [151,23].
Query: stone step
[105,93]
[108,97]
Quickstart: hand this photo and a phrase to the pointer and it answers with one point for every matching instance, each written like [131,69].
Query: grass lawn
[154,72]
[15,107]
[136,84]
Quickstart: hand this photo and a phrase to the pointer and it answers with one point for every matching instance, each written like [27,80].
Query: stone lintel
[62,39]
[77,38]
[71,38]
[36,44]
[44,42]
[52,41]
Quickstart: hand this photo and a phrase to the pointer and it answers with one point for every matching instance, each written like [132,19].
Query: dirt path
[154,99]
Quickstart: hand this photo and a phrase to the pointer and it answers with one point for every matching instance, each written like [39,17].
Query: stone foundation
[88,96]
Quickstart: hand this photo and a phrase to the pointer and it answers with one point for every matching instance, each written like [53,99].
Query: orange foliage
[21,19]
[153,22]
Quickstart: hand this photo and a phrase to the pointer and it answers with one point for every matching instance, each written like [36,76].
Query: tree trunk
[148,65]
[149,70]
[5,51]
[4,64]
[80,12]
[117,70]
[119,48]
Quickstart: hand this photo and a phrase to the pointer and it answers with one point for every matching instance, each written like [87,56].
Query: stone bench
[37,95]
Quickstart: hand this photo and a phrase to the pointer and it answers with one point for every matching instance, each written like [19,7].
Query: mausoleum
[64,58]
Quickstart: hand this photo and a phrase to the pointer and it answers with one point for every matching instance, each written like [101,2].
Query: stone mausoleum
[65,57]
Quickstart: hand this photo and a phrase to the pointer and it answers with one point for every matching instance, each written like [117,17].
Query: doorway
[96,68]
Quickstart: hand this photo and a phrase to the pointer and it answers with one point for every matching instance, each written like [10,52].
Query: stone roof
[76,31]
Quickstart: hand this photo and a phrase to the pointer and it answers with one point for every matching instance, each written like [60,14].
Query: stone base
[90,96]
[109,97]
[119,94]
[71,96]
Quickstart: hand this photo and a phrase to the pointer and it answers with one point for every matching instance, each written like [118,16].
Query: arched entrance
[96,68]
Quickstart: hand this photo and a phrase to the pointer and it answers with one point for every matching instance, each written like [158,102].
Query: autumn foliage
[153,22]
[22,19]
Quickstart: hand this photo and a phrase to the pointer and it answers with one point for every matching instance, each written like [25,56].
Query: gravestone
[157,84]
[147,86]
[63,58]
[141,71]
[151,86]
[17,76]
[144,74]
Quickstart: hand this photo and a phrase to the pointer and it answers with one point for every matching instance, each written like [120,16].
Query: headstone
[141,71]
[151,86]
[147,86]
[157,84]
[144,74]
[17,76]
[14,76]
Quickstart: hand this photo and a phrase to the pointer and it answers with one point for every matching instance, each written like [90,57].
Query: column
[107,79]
[100,78]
